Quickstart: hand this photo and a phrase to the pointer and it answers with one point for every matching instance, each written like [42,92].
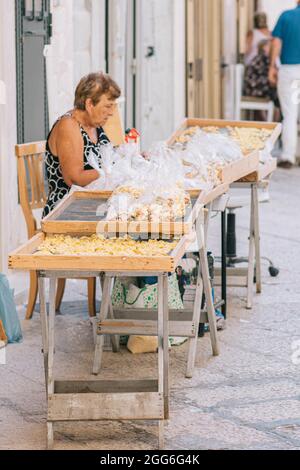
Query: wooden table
[248,172]
[70,400]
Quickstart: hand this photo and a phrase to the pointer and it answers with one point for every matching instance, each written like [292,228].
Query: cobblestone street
[247,398]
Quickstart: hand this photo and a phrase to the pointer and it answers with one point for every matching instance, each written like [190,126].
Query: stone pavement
[247,398]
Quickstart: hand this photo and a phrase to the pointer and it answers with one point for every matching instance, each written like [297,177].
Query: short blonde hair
[94,86]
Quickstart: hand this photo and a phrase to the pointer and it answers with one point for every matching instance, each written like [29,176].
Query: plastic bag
[8,312]
[216,147]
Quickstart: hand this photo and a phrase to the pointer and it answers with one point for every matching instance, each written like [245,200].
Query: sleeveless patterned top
[57,186]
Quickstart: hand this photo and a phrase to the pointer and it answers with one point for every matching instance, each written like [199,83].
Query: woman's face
[101,112]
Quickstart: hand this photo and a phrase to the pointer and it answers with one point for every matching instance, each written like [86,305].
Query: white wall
[274,8]
[12,225]
[77,48]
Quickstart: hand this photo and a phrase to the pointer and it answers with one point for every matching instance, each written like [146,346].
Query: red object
[132,136]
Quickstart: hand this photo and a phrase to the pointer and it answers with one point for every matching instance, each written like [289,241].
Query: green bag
[133,297]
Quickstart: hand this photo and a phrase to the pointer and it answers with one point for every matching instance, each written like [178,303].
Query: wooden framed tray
[84,212]
[264,171]
[245,166]
[206,197]
[26,258]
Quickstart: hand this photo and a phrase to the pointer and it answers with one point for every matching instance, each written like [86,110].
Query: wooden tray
[77,213]
[205,197]
[245,166]
[24,258]
[264,171]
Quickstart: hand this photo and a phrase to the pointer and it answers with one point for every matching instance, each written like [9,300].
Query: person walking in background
[256,81]
[286,45]
[181,278]
[259,33]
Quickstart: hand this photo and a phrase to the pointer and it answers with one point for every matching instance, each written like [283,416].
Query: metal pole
[223,268]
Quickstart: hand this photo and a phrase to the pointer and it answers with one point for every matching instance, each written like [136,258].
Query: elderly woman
[260,32]
[77,134]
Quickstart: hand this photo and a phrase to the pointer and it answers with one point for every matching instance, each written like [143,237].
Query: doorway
[216,39]
[204,50]
[33,32]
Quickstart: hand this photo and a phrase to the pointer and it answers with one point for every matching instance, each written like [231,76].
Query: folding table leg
[207,216]
[257,240]
[44,324]
[196,319]
[161,434]
[207,290]
[103,315]
[115,339]
[163,350]
[250,275]
[52,294]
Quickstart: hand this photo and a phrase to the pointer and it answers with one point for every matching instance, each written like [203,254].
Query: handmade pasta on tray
[98,253]
[226,150]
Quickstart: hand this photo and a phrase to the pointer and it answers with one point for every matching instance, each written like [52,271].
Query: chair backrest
[114,128]
[239,81]
[32,191]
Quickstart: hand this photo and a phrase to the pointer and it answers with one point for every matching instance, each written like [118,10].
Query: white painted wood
[161,435]
[44,324]
[103,315]
[105,406]
[115,340]
[51,336]
[165,287]
[257,241]
[251,254]
[179,320]
[208,292]
[50,436]
[196,318]
[160,333]
[145,328]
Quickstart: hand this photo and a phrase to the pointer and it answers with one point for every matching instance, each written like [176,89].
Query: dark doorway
[33,32]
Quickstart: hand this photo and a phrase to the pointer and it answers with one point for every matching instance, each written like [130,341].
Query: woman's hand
[273,75]
[146,155]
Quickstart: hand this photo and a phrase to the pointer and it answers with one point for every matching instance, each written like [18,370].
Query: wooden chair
[32,196]
[248,102]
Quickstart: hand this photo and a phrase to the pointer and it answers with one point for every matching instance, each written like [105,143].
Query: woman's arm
[275,54]
[249,42]
[69,146]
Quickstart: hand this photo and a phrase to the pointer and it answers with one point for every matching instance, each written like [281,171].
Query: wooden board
[24,258]
[245,166]
[114,128]
[84,212]
[105,406]
[264,171]
[205,197]
[192,122]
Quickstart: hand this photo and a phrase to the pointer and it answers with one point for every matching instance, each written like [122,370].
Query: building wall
[274,8]
[77,48]
[12,226]
[161,78]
